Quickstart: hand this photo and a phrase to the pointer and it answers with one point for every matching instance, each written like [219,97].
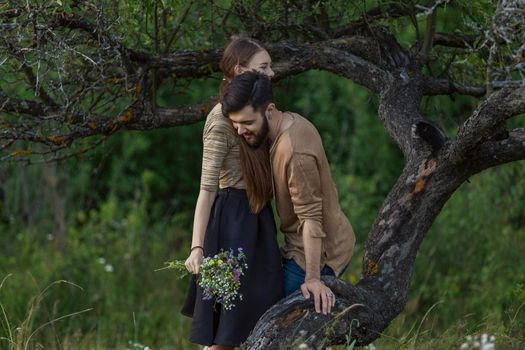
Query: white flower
[483,342]
[303,346]
[109,268]
[137,345]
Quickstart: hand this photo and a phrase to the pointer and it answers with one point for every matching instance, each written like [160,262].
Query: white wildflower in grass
[137,346]
[109,268]
[483,342]
[219,276]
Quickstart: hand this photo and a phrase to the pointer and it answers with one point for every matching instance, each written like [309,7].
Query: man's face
[251,125]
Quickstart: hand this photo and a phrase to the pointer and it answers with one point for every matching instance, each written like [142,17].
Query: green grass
[100,289]
[44,325]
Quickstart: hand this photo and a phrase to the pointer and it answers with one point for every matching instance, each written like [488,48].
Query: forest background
[80,238]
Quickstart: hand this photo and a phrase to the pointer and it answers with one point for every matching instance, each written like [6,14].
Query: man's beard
[260,137]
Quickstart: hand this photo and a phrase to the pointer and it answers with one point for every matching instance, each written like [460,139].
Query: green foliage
[106,220]
[109,262]
[471,251]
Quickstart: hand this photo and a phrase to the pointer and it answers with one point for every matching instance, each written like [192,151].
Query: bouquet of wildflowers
[219,276]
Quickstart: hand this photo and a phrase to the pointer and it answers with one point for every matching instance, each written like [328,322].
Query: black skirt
[232,225]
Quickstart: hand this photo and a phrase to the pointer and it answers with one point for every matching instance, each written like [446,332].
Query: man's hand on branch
[324,299]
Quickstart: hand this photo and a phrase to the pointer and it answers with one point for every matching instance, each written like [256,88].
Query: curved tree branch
[324,57]
[497,152]
[85,125]
[487,119]
[454,40]
[292,58]
[433,87]
[26,107]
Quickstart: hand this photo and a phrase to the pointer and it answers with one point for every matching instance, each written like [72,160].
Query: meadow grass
[53,331]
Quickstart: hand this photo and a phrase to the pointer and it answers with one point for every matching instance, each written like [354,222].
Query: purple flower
[236,275]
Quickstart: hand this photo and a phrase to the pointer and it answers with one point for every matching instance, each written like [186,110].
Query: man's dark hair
[250,88]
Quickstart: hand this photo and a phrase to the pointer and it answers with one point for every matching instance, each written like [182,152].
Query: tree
[90,69]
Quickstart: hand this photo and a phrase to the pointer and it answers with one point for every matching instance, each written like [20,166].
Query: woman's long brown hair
[255,163]
[257,173]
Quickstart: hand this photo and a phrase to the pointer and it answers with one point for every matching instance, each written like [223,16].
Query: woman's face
[260,62]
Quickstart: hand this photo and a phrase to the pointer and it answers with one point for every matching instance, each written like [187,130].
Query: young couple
[253,151]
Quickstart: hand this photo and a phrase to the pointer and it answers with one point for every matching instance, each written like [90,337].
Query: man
[319,239]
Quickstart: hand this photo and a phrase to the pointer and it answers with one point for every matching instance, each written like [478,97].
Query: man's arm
[312,250]
[304,184]
[323,296]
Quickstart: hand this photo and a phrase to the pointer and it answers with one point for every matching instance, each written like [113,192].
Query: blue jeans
[294,275]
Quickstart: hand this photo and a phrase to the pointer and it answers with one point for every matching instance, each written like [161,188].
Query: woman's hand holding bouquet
[218,276]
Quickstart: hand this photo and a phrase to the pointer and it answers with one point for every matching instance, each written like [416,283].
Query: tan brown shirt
[221,164]
[304,190]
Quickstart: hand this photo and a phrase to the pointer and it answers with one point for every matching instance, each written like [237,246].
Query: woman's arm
[200,222]
[215,149]
[202,215]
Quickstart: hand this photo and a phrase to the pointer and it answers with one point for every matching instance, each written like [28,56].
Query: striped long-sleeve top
[221,164]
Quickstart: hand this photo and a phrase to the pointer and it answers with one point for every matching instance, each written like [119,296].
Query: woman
[237,216]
